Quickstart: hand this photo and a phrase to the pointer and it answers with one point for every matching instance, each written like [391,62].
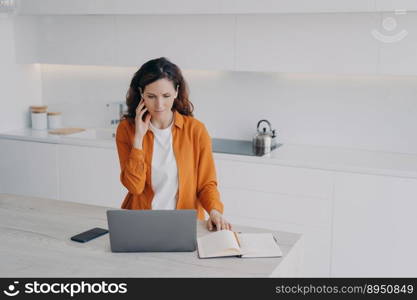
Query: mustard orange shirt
[197,182]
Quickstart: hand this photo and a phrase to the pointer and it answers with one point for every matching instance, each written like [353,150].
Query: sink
[95,134]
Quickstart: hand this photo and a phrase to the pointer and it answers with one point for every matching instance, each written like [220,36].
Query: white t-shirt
[164,170]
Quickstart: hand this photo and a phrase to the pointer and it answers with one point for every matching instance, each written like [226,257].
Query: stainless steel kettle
[262,141]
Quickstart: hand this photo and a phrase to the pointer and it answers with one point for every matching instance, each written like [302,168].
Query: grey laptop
[152,230]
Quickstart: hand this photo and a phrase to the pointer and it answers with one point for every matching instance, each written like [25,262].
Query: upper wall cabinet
[101,32]
[77,40]
[398,43]
[195,42]
[328,43]
[125,7]
[128,7]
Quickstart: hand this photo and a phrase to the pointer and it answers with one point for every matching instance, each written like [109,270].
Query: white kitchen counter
[294,155]
[36,243]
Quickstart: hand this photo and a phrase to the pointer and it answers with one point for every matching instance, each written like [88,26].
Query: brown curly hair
[151,71]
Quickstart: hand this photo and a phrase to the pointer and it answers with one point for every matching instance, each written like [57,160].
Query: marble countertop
[294,155]
[36,242]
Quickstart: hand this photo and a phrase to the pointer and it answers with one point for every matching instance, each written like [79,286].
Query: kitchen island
[36,243]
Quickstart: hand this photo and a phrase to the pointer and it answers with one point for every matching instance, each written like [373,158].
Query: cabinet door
[323,43]
[28,168]
[191,42]
[281,198]
[375,227]
[114,7]
[78,40]
[397,54]
[309,217]
[90,175]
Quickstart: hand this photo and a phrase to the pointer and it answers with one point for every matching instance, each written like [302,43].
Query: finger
[142,112]
[139,109]
[210,224]
[223,225]
[227,227]
[218,225]
[140,105]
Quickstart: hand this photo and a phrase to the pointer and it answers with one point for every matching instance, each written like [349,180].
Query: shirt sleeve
[132,162]
[207,192]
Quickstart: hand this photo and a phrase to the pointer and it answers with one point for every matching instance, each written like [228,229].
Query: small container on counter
[39,117]
[54,120]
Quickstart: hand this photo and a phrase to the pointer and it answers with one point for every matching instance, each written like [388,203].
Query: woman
[165,153]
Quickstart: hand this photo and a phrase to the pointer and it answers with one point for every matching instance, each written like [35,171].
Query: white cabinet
[90,175]
[28,168]
[260,36]
[208,7]
[63,172]
[356,43]
[191,42]
[194,42]
[392,5]
[53,7]
[323,43]
[125,7]
[375,226]
[78,40]
[274,178]
[284,198]
[397,47]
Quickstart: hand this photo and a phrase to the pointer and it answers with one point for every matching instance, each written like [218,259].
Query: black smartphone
[146,112]
[144,116]
[89,235]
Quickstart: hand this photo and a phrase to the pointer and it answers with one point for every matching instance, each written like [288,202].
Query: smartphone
[146,112]
[89,235]
[144,116]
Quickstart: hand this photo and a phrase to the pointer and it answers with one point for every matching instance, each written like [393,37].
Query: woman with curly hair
[165,153]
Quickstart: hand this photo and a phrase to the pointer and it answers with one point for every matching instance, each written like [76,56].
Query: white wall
[20,84]
[364,112]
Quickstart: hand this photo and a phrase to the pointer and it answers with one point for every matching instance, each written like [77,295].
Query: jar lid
[50,113]
[39,107]
[36,108]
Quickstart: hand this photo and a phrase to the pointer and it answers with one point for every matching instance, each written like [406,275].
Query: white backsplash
[354,111]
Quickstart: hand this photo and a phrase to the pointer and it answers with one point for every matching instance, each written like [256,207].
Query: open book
[230,243]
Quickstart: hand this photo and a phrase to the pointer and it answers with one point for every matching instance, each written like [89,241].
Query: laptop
[152,230]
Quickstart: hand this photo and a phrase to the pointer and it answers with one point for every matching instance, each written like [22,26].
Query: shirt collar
[178,119]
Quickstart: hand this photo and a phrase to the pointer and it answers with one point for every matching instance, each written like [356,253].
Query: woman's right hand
[141,126]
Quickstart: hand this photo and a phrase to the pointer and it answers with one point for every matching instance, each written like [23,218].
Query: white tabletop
[36,233]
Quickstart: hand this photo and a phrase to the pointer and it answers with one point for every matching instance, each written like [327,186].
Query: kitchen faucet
[122,109]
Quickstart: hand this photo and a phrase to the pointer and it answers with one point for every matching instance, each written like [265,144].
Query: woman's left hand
[217,220]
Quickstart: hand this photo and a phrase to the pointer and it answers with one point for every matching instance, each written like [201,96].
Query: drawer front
[277,207]
[274,178]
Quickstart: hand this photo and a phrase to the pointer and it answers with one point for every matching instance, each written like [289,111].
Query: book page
[258,245]
[219,243]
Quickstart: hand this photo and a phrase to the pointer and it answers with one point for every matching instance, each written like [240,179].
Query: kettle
[262,142]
